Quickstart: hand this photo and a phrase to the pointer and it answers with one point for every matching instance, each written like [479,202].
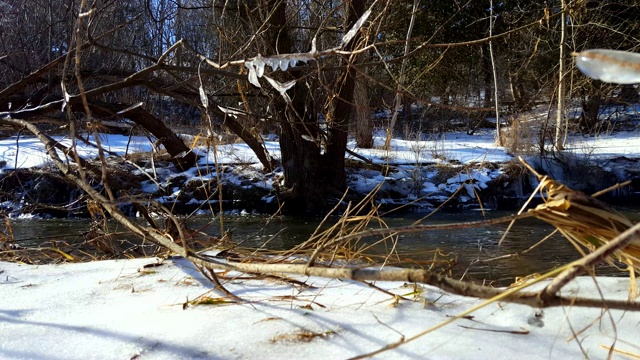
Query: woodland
[312,72]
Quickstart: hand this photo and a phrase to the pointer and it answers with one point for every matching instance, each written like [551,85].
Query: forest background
[293,68]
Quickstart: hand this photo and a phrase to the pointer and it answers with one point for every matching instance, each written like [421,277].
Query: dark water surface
[466,245]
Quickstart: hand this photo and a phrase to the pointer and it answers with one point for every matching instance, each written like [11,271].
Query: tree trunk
[181,155]
[301,153]
[590,110]
[628,95]
[299,131]
[312,179]
[339,128]
[487,78]
[363,125]
[400,85]
[495,80]
[252,142]
[560,111]
[521,101]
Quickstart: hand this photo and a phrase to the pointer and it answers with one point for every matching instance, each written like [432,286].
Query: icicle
[282,88]
[284,65]
[273,63]
[259,64]
[65,97]
[253,77]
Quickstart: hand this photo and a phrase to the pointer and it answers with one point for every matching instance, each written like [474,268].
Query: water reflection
[471,246]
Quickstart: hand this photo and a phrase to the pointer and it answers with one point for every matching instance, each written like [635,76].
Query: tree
[313,158]
[401,78]
[559,140]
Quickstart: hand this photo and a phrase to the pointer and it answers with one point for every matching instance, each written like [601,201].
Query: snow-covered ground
[125,309]
[415,165]
[27,152]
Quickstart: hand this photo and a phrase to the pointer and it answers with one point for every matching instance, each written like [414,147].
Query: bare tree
[559,143]
[401,78]
[495,79]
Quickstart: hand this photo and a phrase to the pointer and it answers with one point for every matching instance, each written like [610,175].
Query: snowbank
[124,310]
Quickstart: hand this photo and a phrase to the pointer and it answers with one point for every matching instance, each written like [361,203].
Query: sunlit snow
[123,310]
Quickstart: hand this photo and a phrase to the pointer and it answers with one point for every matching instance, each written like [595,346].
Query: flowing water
[468,246]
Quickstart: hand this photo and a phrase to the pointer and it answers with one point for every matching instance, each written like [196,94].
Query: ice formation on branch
[284,62]
[282,88]
[230,112]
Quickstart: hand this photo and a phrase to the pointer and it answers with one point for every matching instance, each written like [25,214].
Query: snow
[458,146]
[455,146]
[120,309]
[28,152]
[620,144]
[452,146]
[415,172]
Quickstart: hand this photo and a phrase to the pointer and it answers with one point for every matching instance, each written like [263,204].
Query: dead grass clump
[325,247]
[356,218]
[445,172]
[514,170]
[200,139]
[586,222]
[98,243]
[519,138]
[303,335]
[142,157]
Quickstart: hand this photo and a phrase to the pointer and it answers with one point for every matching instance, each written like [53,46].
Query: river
[470,247]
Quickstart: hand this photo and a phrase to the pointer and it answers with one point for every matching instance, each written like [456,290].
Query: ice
[284,65]
[253,77]
[259,64]
[282,88]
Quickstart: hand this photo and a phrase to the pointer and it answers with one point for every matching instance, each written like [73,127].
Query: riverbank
[454,170]
[150,309]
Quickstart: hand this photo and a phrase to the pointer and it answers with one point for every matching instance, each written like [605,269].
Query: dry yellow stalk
[585,221]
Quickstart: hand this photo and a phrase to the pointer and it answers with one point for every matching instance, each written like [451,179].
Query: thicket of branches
[177,63]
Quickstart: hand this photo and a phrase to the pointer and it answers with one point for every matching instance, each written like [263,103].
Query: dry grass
[586,222]
[99,242]
[302,335]
[324,246]
[519,138]
[145,156]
